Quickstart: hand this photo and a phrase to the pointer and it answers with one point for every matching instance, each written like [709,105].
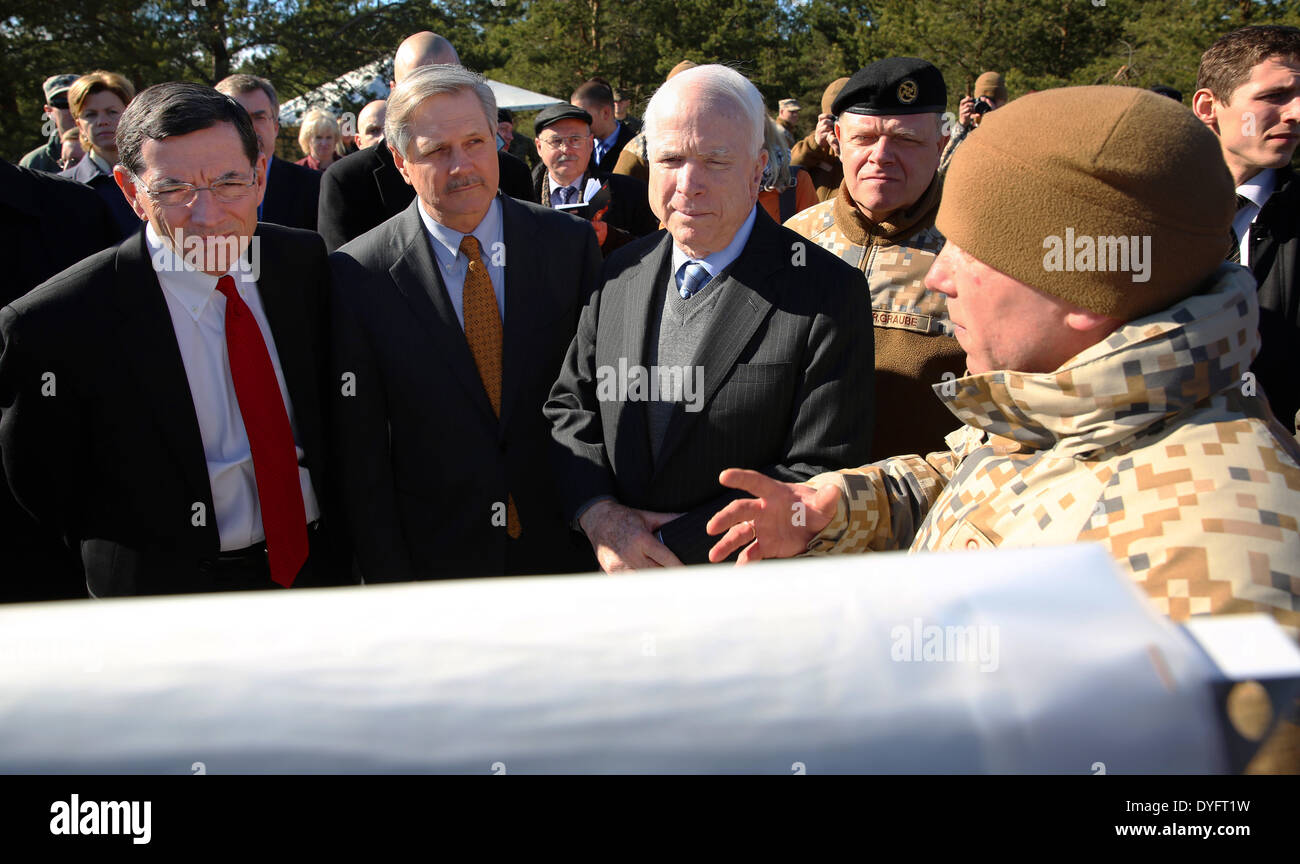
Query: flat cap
[895,85]
[557,112]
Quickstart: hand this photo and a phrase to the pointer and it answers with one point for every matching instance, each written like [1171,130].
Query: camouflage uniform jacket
[895,262]
[914,342]
[1153,442]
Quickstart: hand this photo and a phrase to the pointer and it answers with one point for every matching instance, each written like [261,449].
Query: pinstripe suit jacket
[787,382]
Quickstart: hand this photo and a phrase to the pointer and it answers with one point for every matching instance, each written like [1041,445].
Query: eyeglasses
[183,194]
[555,142]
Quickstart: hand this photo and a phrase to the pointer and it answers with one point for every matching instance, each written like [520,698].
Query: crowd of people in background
[447,348]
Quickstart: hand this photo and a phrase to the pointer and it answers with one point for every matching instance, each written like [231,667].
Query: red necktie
[270,438]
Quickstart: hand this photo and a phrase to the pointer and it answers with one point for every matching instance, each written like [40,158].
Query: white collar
[193,288]
[1258,188]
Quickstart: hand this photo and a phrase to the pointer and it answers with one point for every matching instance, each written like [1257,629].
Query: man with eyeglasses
[160,402]
[292,191]
[566,179]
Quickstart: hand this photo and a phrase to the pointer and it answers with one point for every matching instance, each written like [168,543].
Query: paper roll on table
[1044,660]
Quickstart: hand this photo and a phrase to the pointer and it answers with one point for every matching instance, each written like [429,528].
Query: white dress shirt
[1257,190]
[198,313]
[453,265]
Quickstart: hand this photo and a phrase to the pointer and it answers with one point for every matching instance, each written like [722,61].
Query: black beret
[895,85]
[557,112]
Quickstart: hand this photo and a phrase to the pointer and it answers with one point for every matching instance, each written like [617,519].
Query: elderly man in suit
[728,338]
[566,177]
[160,402]
[452,321]
[364,188]
[292,191]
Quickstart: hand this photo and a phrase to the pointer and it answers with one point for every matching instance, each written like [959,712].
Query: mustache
[461,182]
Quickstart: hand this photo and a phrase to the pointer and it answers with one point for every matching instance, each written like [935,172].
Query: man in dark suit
[161,401]
[727,339]
[47,224]
[292,191]
[1248,93]
[365,188]
[565,179]
[596,97]
[451,323]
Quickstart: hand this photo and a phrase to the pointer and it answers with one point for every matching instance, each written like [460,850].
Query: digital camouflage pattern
[895,268]
[1153,442]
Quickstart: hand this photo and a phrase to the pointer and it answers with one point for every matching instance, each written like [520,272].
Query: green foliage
[787,48]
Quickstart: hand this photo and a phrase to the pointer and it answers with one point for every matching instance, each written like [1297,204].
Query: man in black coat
[728,340]
[292,191]
[565,179]
[47,224]
[452,319]
[1248,93]
[161,401]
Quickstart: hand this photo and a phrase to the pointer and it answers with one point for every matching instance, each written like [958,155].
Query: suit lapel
[285,313]
[525,309]
[147,333]
[633,458]
[393,190]
[276,178]
[743,304]
[1264,242]
[415,273]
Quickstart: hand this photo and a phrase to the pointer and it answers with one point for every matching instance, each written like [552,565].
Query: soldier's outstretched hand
[778,522]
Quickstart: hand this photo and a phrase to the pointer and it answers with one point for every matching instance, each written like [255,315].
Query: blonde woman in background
[97,101]
[320,139]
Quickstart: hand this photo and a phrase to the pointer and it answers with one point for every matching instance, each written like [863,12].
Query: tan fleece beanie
[991,86]
[1115,199]
[833,90]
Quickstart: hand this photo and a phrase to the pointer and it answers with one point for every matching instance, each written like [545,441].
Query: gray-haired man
[452,323]
[728,337]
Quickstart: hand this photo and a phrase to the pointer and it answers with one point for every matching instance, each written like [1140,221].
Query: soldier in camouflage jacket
[1151,442]
[881,221]
[1109,404]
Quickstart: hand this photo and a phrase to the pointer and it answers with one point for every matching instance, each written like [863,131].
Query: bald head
[370,123]
[422,49]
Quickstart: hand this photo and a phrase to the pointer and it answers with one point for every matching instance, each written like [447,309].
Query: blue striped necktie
[694,277]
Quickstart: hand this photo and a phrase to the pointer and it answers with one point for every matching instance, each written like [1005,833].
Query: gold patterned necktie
[484,333]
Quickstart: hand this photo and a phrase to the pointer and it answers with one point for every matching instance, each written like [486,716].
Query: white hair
[714,84]
[427,81]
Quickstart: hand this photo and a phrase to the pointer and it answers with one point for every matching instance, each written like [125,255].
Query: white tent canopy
[370,82]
